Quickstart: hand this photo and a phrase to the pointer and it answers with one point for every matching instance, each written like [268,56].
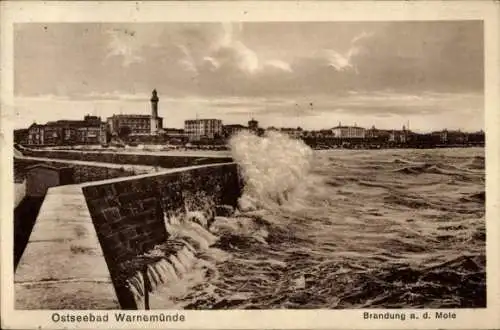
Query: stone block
[90,192]
[122,187]
[150,203]
[106,190]
[113,201]
[105,229]
[97,205]
[131,196]
[98,218]
[111,214]
[128,232]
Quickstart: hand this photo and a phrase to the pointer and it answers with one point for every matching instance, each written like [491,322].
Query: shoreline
[165,150]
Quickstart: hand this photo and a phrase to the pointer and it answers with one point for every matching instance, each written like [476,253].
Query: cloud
[280,65]
[343,62]
[338,61]
[361,36]
[236,57]
[123,44]
[229,55]
[251,59]
[210,63]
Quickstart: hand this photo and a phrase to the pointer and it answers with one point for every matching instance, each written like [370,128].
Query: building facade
[476,137]
[36,134]
[253,125]
[400,136]
[230,130]
[293,132]
[453,137]
[377,134]
[196,129]
[90,130]
[21,136]
[348,132]
[138,124]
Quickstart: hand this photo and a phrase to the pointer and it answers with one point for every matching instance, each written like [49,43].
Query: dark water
[368,229]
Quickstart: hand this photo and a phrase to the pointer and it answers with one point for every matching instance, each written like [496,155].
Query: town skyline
[285,74]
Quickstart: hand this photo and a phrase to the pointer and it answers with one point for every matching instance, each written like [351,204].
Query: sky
[286,74]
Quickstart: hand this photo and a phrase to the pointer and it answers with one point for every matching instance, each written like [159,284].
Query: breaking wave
[274,168]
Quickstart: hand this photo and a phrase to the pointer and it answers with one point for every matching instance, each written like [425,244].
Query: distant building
[173,131]
[197,129]
[21,136]
[348,132]
[375,133]
[429,140]
[293,132]
[253,125]
[230,130]
[476,137]
[90,130]
[453,137]
[138,124]
[272,129]
[400,136]
[36,134]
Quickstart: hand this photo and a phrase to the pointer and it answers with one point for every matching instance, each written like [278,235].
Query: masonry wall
[165,161]
[129,214]
[82,173]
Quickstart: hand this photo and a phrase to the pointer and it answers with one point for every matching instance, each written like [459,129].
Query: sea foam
[273,167]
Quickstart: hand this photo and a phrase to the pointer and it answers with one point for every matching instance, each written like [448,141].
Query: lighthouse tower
[155,122]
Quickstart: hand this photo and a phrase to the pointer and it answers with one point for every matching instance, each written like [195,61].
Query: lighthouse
[155,121]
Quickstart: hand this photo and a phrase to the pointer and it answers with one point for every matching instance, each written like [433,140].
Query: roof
[291,129]
[202,120]
[72,123]
[130,116]
[347,127]
[173,129]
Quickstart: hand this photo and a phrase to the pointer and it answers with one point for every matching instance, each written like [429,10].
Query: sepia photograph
[248,165]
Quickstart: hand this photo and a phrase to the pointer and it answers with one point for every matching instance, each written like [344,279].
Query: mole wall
[165,161]
[85,236]
[82,173]
[129,214]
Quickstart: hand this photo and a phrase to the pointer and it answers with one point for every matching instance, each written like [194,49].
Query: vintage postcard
[250,165]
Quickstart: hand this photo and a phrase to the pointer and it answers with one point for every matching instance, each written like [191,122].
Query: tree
[124,132]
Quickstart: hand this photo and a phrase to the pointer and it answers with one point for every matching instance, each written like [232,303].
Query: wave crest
[273,167]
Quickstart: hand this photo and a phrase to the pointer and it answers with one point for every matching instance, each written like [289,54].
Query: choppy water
[341,229]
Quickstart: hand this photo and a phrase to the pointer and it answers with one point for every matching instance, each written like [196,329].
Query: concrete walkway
[63,265]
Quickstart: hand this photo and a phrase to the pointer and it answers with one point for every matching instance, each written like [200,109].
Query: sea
[335,229]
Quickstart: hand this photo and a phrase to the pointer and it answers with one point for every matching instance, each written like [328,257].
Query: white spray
[273,167]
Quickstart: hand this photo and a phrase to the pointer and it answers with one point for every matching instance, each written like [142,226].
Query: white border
[19,12]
